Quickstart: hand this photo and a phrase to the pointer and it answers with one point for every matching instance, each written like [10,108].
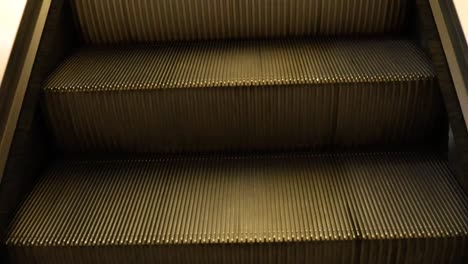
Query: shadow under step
[282,208]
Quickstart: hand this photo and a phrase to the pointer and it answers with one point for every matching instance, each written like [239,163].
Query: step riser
[450,250]
[246,119]
[104,22]
[318,252]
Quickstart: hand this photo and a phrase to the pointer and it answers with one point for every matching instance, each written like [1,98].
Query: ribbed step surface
[123,21]
[301,208]
[248,95]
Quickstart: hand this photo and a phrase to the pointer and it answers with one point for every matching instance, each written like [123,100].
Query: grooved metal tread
[124,21]
[241,63]
[244,95]
[268,199]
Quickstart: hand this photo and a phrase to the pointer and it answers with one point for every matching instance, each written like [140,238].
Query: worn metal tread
[244,95]
[226,199]
[124,21]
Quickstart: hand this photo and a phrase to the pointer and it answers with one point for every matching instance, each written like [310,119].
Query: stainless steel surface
[242,95]
[118,21]
[217,209]
[250,95]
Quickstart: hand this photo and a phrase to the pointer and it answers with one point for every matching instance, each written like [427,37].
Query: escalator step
[246,95]
[124,21]
[329,208]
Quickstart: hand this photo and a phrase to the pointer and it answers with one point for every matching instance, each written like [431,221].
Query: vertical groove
[118,21]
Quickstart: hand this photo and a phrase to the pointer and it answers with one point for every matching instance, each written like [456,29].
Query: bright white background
[462,10]
[11,12]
